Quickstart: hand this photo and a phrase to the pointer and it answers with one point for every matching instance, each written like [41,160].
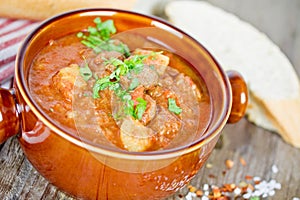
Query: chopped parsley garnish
[172,106]
[104,29]
[111,82]
[134,83]
[134,63]
[86,72]
[98,37]
[140,108]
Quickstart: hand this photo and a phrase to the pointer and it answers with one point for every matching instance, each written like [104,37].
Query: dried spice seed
[193,189]
[252,188]
[216,193]
[211,176]
[229,163]
[224,172]
[242,161]
[199,193]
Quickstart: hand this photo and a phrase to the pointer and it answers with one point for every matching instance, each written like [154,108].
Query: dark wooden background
[261,149]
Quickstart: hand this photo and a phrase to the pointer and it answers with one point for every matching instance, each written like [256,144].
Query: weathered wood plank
[259,148]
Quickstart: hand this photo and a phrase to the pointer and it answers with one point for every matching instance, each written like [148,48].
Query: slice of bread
[272,81]
[42,9]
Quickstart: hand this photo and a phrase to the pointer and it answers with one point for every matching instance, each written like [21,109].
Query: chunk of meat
[135,136]
[146,77]
[99,61]
[150,111]
[156,59]
[65,80]
[137,93]
[166,125]
[161,95]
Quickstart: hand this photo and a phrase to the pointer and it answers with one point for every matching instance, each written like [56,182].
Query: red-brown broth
[68,50]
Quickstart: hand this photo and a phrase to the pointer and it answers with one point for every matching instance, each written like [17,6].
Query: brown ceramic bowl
[89,171]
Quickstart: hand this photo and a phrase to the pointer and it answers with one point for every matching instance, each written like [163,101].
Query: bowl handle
[9,116]
[239,96]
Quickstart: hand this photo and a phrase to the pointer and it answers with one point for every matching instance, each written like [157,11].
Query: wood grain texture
[261,150]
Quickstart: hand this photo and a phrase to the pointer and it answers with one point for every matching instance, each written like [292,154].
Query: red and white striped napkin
[12,33]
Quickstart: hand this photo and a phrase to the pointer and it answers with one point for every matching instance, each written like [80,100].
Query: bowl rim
[151,155]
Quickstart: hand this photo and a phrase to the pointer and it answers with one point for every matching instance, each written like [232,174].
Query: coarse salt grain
[256,190]
[277,186]
[205,187]
[237,191]
[271,193]
[257,193]
[264,195]
[206,193]
[247,195]
[272,182]
[256,178]
[190,196]
[204,198]
[275,169]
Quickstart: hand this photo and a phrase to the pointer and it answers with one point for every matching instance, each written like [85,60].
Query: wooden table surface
[261,150]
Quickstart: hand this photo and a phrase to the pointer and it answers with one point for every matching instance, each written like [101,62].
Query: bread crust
[274,86]
[285,115]
[42,9]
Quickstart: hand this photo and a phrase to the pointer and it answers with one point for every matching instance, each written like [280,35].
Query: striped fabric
[12,33]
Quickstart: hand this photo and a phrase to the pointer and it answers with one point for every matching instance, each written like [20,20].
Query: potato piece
[65,79]
[135,136]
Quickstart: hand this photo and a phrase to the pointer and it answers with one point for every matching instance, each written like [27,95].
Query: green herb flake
[129,108]
[134,83]
[97,20]
[134,63]
[86,72]
[172,106]
[98,37]
[80,34]
[140,108]
[106,29]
